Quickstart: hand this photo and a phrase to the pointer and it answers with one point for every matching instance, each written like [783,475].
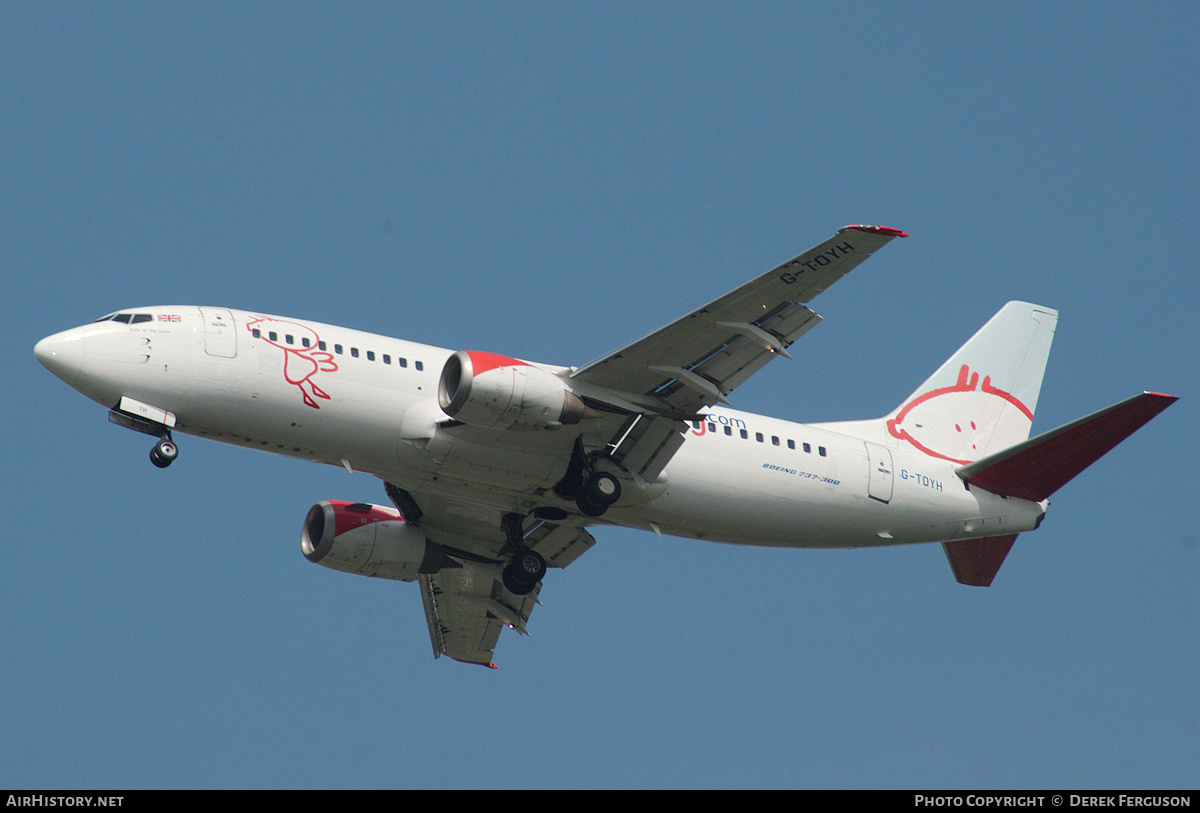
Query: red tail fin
[1035,469]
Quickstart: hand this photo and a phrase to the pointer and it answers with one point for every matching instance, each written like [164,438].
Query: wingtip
[879,230]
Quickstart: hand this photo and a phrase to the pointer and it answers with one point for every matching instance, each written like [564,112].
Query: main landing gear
[599,491]
[526,567]
[594,493]
[592,488]
[523,572]
[164,452]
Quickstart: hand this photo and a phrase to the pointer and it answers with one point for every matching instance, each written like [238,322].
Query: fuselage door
[220,334]
[879,481]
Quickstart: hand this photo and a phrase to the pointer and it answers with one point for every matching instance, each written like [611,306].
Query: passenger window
[745,435]
[758,436]
[354,352]
[774,440]
[821,451]
[370,355]
[387,359]
[419,365]
[288,338]
[256,333]
[337,348]
[304,340]
[712,427]
[791,443]
[808,448]
[729,430]
[273,336]
[402,362]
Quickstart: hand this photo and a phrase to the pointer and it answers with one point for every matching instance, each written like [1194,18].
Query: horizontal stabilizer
[1035,469]
[975,561]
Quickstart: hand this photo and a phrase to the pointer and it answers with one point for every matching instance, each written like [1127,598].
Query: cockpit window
[127,318]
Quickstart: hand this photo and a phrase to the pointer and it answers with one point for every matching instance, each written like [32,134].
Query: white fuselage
[369,402]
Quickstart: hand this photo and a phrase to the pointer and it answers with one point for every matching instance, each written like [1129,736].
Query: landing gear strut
[164,452]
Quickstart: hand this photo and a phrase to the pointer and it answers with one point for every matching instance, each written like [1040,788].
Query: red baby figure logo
[961,423]
[300,363]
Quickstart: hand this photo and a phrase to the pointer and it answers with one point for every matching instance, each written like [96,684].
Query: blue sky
[551,180]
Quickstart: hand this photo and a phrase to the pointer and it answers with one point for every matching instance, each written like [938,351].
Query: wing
[642,394]
[467,605]
[694,362]
[466,609]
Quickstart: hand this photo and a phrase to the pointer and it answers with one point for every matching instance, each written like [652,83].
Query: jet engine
[369,540]
[498,392]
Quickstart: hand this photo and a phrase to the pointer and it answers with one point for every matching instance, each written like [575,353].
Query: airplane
[496,467]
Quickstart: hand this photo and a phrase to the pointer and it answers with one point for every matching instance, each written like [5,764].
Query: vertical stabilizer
[982,399]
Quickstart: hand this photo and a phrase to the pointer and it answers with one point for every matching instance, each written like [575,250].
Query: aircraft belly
[768,498]
[513,483]
[770,505]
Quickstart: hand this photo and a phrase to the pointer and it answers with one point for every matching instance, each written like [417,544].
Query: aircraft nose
[61,355]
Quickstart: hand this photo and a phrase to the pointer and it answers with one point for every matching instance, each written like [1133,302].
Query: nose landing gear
[164,452]
[149,420]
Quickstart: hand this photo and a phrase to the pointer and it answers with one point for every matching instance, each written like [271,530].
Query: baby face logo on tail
[963,422]
[301,363]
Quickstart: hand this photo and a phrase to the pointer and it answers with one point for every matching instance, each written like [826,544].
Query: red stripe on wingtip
[879,230]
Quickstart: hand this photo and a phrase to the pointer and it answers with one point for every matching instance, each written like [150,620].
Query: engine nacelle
[369,540]
[498,392]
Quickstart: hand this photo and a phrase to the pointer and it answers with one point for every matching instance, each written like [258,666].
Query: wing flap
[466,608]
[649,446]
[559,545]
